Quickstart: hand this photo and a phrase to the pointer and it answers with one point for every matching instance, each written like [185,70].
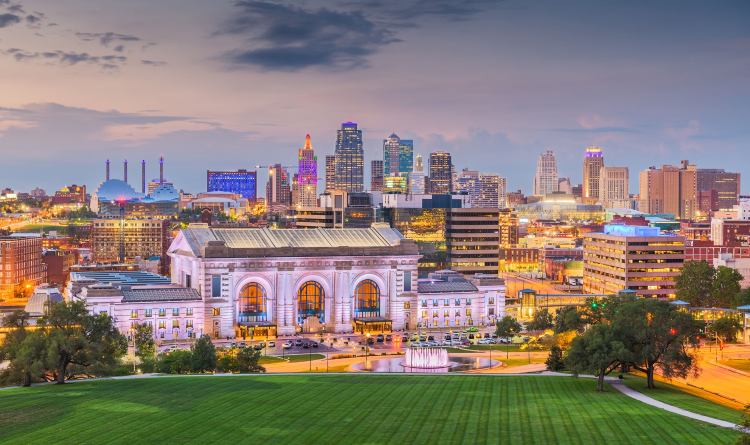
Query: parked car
[425,345]
[486,341]
[370,341]
[287,345]
[243,345]
[433,343]
[271,344]
[467,342]
[456,336]
[472,330]
[381,338]
[471,336]
[258,347]
[416,344]
[447,336]
[233,345]
[423,338]
[414,337]
[456,342]
[298,342]
[388,337]
[404,338]
[314,344]
[448,343]
[486,335]
[494,335]
[431,338]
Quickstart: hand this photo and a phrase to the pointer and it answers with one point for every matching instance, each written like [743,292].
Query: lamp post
[132,334]
[367,349]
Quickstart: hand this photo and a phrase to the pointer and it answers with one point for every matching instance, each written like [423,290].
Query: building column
[338,304]
[392,291]
[347,301]
[287,306]
[278,300]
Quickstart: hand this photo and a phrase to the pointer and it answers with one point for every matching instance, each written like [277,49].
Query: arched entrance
[310,302]
[252,312]
[367,299]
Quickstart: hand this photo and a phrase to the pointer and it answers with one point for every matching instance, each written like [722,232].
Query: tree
[26,356]
[23,290]
[247,360]
[90,342]
[204,355]
[144,340]
[175,362]
[726,286]
[554,361]
[742,298]
[694,284]
[569,318]
[744,426]
[228,363]
[507,327]
[598,351]
[658,335]
[726,328]
[541,320]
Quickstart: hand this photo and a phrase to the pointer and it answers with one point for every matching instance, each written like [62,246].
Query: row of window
[162,312]
[446,302]
[163,324]
[456,313]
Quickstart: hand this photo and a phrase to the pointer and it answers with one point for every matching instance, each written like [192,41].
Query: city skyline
[81,87]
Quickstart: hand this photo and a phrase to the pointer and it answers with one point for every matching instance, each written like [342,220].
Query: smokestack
[107,169]
[126,171]
[143,176]
[161,170]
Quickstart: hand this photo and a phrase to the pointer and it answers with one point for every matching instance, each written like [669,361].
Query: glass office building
[350,159]
[242,182]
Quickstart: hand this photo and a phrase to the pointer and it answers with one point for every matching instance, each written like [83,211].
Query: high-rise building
[638,258]
[376,175]
[242,182]
[727,185]
[307,176]
[398,156]
[508,228]
[350,158]
[502,192]
[418,167]
[708,201]
[278,188]
[20,260]
[395,184]
[416,183]
[440,173]
[592,165]
[614,187]
[669,189]
[472,240]
[488,192]
[564,186]
[468,182]
[330,172]
[130,238]
[545,181]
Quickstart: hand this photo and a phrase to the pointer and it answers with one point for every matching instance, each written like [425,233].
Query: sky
[224,85]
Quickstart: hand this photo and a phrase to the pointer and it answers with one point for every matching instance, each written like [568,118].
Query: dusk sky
[227,85]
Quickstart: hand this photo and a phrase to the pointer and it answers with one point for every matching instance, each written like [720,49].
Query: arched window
[310,301]
[252,303]
[367,299]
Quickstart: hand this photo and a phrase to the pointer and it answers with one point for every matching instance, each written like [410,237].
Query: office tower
[670,189]
[440,173]
[708,201]
[638,258]
[468,182]
[20,260]
[131,238]
[488,192]
[502,192]
[242,182]
[307,176]
[143,176]
[418,167]
[454,178]
[592,164]
[330,172]
[161,170]
[508,228]
[727,185]
[376,175]
[545,181]
[278,188]
[416,183]
[350,158]
[395,184]
[398,156]
[614,187]
[577,190]
[564,186]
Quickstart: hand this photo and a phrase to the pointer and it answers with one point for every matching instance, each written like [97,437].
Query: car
[414,337]
[423,339]
[298,342]
[404,338]
[314,344]
[370,341]
[486,335]
[271,344]
[494,335]
[447,337]
[431,338]
[467,342]
[243,345]
[426,345]
[233,345]
[456,342]
[381,338]
[448,343]
[287,345]
[433,343]
[455,336]
[472,330]
[388,337]
[526,338]
[416,344]
[258,347]
[486,341]
[471,336]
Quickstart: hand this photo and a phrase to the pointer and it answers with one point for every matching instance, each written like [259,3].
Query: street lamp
[367,349]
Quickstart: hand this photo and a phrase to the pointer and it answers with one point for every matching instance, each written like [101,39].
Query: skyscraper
[440,173]
[398,155]
[669,189]
[278,189]
[330,172]
[592,164]
[307,176]
[376,175]
[502,192]
[727,185]
[614,187]
[350,158]
[418,167]
[468,182]
[488,192]
[545,181]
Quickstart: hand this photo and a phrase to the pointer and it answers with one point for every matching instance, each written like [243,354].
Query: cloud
[65,58]
[287,38]
[105,38]
[16,8]
[453,10]
[153,63]
[119,48]
[596,130]
[8,20]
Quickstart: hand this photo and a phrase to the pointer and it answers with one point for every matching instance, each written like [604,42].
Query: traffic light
[593,305]
[673,331]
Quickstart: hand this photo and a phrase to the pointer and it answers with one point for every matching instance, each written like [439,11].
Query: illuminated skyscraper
[418,167]
[440,173]
[307,176]
[376,175]
[592,165]
[545,181]
[330,172]
[398,155]
[350,158]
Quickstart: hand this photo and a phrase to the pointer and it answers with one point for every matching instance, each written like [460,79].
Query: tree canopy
[598,351]
[541,320]
[726,328]
[703,286]
[204,355]
[570,318]
[507,327]
[144,340]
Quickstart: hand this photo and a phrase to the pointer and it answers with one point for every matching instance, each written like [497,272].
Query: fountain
[427,358]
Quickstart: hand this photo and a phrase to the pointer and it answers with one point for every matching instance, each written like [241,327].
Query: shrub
[554,361]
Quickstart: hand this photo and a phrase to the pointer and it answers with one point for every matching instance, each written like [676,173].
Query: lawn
[294,358]
[741,364]
[521,361]
[684,397]
[36,228]
[342,408]
[503,348]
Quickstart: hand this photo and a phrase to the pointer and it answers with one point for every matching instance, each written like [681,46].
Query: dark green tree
[507,327]
[144,340]
[554,361]
[726,328]
[695,282]
[175,362]
[541,320]
[744,427]
[74,337]
[247,360]
[726,286]
[742,298]
[26,355]
[598,351]
[204,355]
[658,335]
[569,318]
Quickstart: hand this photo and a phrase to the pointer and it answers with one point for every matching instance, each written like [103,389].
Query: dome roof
[165,192]
[116,189]
[393,136]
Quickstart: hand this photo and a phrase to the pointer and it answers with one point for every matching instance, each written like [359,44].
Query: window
[424,314]
[134,313]
[468,301]
[434,303]
[407,281]
[446,313]
[187,280]
[310,301]
[458,313]
[216,286]
[175,324]
[434,314]
[407,305]
[367,299]
[175,312]
[492,300]
[189,312]
[468,312]
[446,302]
[189,324]
[162,312]
[458,302]
[424,303]
[162,324]
[103,313]
[217,311]
[492,311]
[148,312]
[252,303]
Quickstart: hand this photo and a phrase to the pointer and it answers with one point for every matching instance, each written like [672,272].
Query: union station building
[262,282]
